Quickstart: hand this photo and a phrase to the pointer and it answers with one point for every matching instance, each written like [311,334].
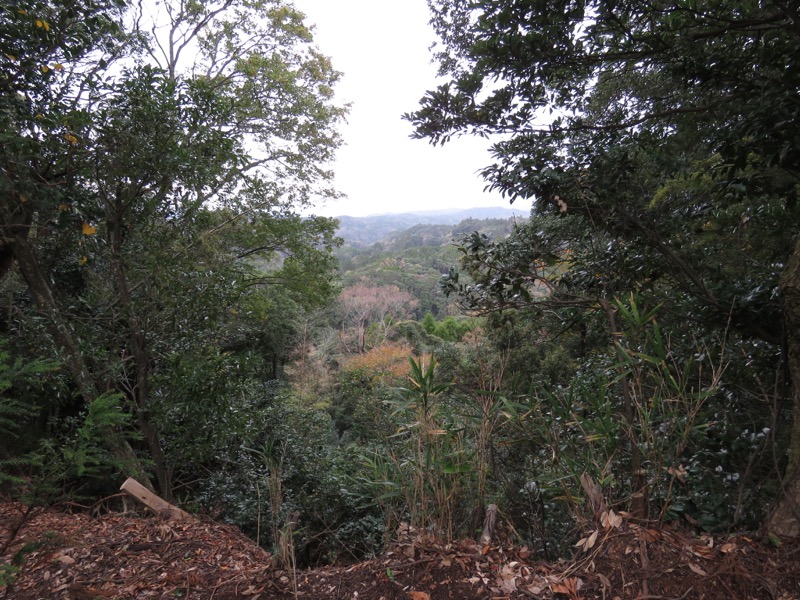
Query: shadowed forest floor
[74,555]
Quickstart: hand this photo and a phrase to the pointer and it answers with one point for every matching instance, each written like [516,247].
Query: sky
[382,48]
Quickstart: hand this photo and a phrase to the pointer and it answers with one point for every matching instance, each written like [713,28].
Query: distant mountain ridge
[365,231]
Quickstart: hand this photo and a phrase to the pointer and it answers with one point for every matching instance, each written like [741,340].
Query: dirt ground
[65,554]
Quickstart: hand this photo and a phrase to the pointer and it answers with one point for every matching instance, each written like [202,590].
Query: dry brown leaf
[507,572]
[727,548]
[610,519]
[506,580]
[679,473]
[588,542]
[535,589]
[591,541]
[651,535]
[568,587]
[419,595]
[697,569]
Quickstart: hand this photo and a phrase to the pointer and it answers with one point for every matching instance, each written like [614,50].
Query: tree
[163,192]
[670,158]
[363,305]
[49,48]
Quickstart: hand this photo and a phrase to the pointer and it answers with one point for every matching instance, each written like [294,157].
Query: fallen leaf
[610,519]
[727,548]
[507,581]
[587,543]
[604,580]
[568,587]
[507,572]
[419,595]
[697,569]
[651,535]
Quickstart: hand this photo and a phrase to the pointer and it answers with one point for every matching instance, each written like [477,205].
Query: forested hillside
[415,259]
[619,365]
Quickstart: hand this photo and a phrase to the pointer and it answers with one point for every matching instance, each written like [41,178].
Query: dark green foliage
[300,446]
[38,469]
[664,154]
[151,211]
[661,173]
[452,329]
[358,408]
[429,323]
[18,419]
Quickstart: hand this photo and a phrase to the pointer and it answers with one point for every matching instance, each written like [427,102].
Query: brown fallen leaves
[115,556]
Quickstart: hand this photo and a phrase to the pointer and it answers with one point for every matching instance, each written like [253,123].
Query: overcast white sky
[382,48]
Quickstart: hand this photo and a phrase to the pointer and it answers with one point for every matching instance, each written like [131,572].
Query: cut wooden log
[136,490]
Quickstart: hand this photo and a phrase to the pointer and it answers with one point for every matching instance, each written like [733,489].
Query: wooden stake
[142,494]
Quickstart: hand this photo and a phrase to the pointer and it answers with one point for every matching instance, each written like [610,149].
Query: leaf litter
[78,556]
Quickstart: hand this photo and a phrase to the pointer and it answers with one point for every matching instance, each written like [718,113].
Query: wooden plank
[142,494]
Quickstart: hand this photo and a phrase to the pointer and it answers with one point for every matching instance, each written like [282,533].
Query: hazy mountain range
[364,231]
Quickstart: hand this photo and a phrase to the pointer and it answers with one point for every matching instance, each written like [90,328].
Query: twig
[645,566]
[417,562]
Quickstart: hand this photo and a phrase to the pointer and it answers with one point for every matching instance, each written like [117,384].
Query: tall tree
[364,305]
[672,136]
[165,194]
[50,50]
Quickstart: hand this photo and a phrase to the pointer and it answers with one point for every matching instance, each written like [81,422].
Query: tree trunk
[64,338]
[785,516]
[140,393]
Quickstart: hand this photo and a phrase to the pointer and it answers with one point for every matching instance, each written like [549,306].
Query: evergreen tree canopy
[661,142]
[152,164]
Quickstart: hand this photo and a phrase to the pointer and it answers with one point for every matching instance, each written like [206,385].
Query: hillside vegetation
[615,376]
[415,259]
